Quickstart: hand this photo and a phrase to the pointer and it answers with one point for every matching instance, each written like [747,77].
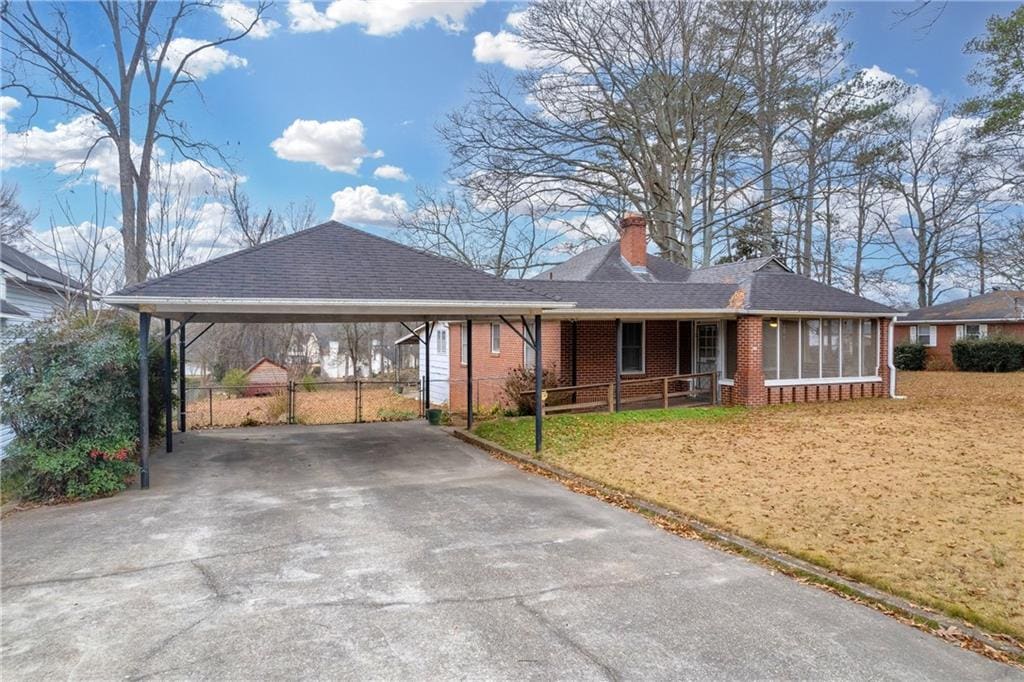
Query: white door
[705,350]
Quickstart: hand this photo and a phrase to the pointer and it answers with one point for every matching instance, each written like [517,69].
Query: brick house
[768,335]
[938,326]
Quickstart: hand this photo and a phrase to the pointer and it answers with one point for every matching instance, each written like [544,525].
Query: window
[441,341]
[820,349]
[632,347]
[810,348]
[495,337]
[770,342]
[975,331]
[789,349]
[465,343]
[528,351]
[869,348]
[923,334]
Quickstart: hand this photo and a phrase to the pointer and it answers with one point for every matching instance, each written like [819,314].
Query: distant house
[266,377]
[938,326]
[440,362]
[29,291]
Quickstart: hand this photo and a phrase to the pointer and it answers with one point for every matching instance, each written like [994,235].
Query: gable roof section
[623,297]
[737,271]
[330,267]
[994,306]
[605,264]
[36,272]
[265,361]
[780,291]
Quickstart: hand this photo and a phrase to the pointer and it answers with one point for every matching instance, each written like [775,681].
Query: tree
[1001,73]
[131,88]
[15,219]
[252,226]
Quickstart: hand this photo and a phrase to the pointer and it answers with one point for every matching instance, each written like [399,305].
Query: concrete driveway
[395,551]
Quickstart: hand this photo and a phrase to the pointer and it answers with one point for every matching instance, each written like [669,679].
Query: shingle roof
[336,262]
[32,267]
[636,295]
[605,264]
[774,290]
[737,271]
[995,305]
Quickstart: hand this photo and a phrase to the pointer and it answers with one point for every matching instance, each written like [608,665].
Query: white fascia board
[328,306]
[983,320]
[13,272]
[817,313]
[634,314]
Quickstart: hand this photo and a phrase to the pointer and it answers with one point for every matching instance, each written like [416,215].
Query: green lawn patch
[568,432]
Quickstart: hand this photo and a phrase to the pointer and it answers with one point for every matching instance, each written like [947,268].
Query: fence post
[664,393]
[211,405]
[291,401]
[611,397]
[714,388]
[359,398]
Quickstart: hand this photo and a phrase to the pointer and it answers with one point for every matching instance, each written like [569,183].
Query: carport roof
[330,272]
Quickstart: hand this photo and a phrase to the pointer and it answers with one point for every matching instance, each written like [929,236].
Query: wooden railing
[606,401]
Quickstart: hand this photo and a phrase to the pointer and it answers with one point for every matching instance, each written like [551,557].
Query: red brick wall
[946,335]
[748,386]
[489,369]
[633,240]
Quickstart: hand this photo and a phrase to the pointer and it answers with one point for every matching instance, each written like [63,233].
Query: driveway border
[953,630]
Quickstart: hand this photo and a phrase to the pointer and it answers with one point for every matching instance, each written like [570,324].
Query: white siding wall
[440,369]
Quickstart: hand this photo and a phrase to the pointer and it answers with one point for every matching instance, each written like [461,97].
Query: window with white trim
[632,340]
[495,337]
[465,343]
[528,351]
[924,334]
[975,331]
[829,348]
[441,341]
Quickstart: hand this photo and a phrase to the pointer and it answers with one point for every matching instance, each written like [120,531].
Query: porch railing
[601,396]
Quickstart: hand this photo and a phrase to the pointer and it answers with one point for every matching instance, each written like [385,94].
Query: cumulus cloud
[506,47]
[389,172]
[366,205]
[335,145]
[209,61]
[7,105]
[238,16]
[381,18]
[72,147]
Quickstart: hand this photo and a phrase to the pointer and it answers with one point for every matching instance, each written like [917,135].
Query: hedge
[909,356]
[990,354]
[70,393]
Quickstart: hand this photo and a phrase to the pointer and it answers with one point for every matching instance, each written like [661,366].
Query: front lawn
[923,497]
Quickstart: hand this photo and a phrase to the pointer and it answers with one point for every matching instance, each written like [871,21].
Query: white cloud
[506,47]
[381,18]
[335,145]
[7,105]
[366,205]
[72,147]
[207,62]
[911,71]
[389,172]
[238,16]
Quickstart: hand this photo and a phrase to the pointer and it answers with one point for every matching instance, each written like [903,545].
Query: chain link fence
[305,402]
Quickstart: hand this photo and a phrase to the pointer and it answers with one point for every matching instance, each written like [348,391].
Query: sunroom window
[829,348]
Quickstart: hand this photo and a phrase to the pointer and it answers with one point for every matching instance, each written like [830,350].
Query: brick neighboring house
[938,326]
[770,335]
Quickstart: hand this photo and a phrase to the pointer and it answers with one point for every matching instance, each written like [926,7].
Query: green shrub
[909,356]
[235,382]
[309,383]
[518,390]
[70,393]
[386,414]
[991,354]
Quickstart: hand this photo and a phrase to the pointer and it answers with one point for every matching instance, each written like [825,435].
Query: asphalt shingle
[995,305]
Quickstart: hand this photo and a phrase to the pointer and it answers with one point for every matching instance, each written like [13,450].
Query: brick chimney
[633,240]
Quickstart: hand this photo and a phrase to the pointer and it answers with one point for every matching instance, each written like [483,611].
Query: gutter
[892,365]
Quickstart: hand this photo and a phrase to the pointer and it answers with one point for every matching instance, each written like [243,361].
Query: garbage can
[434,416]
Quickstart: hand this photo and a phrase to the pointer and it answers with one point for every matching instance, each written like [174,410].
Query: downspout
[892,365]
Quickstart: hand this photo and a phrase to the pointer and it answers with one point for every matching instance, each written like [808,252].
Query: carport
[328,273]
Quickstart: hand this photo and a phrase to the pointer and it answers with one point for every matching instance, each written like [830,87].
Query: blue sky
[400,85]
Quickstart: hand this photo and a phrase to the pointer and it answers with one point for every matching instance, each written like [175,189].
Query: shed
[266,377]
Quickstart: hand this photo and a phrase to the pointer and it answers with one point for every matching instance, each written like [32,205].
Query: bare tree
[131,89]
[181,230]
[252,226]
[15,219]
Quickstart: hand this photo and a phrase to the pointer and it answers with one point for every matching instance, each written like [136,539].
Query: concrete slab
[395,551]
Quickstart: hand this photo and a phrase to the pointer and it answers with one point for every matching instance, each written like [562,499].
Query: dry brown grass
[331,404]
[924,497]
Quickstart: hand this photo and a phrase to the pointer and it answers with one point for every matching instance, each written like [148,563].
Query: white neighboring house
[29,291]
[440,365]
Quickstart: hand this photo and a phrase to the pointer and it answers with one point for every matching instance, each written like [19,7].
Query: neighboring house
[938,326]
[304,351]
[770,335]
[29,291]
[440,359]
[266,377]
